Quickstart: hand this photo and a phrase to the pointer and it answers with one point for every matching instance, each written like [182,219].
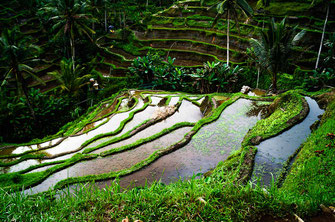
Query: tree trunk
[274,82]
[146,6]
[72,51]
[322,37]
[120,19]
[257,78]
[22,85]
[228,39]
[124,19]
[105,18]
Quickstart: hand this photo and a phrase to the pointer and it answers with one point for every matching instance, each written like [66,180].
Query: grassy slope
[311,180]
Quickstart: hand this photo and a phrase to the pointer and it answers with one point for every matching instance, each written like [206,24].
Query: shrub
[318,79]
[17,124]
[217,77]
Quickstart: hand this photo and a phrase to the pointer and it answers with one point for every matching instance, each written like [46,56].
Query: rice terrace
[196,110]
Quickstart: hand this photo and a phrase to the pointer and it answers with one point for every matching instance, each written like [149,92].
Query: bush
[213,77]
[17,123]
[319,79]
[218,77]
[146,67]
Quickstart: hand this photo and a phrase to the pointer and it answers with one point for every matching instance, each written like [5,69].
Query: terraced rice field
[139,136]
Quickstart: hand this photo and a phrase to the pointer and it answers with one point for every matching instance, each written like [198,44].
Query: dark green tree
[17,53]
[71,21]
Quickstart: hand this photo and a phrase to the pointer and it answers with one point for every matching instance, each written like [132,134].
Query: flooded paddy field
[127,137]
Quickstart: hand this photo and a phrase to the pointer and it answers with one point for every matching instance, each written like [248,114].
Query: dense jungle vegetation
[65,62]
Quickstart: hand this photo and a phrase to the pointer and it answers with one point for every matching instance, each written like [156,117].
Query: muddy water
[112,163]
[272,153]
[7,151]
[73,143]
[257,92]
[213,143]
[106,109]
[22,149]
[92,125]
[187,113]
[137,119]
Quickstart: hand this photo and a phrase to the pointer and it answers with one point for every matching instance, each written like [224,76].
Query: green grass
[287,106]
[212,199]
[311,179]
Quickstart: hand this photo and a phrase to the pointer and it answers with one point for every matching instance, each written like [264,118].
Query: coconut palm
[17,53]
[230,9]
[71,79]
[273,50]
[97,7]
[71,19]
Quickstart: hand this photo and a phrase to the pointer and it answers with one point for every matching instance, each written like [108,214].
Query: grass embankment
[287,110]
[311,178]
[215,198]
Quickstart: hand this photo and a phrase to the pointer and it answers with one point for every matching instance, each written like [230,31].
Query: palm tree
[71,79]
[71,19]
[230,9]
[273,50]
[16,54]
[96,7]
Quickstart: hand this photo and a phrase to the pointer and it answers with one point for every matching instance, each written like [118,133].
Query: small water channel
[274,152]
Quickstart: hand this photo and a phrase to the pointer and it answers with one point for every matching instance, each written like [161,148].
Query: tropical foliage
[17,53]
[273,50]
[217,77]
[17,123]
[71,79]
[71,20]
[159,74]
[230,9]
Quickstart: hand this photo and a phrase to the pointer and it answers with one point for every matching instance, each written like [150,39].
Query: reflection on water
[213,143]
[187,113]
[112,163]
[73,143]
[274,152]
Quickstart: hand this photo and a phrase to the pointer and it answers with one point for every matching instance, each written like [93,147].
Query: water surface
[274,152]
